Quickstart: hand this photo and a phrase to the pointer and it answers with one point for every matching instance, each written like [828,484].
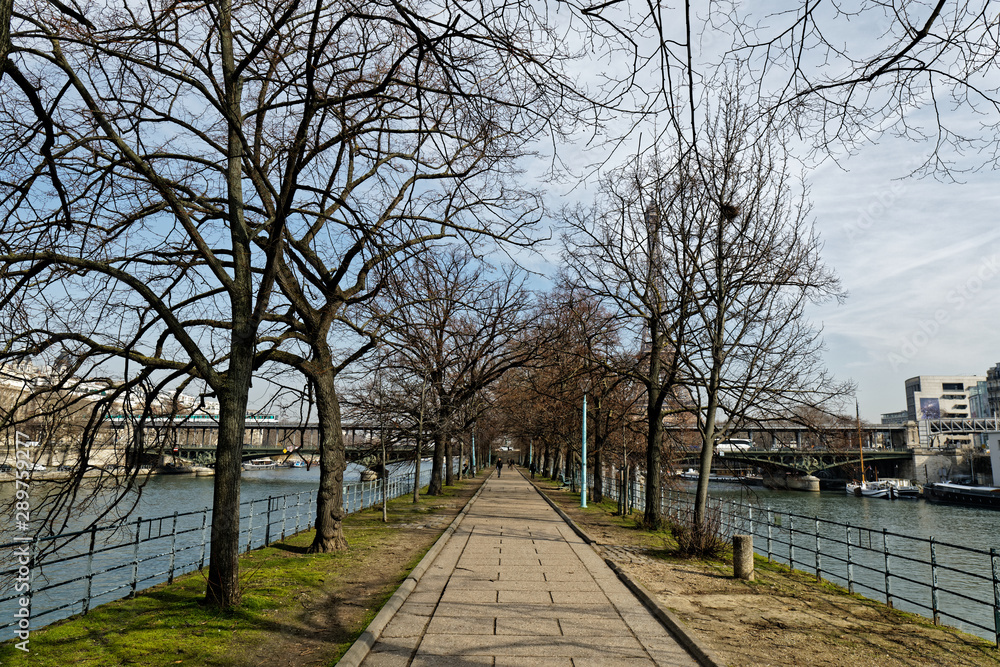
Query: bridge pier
[781,479]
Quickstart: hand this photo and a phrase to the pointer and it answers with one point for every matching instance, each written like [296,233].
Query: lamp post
[583,458]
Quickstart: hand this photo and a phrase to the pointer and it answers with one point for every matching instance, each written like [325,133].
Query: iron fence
[935,579]
[83,569]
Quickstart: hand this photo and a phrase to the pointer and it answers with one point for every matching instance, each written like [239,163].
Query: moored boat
[259,464]
[903,489]
[971,495]
[864,489]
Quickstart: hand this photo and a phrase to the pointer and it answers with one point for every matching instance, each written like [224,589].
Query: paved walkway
[514,585]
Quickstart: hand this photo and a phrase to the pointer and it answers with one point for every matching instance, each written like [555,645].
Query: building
[890,418]
[930,397]
[979,407]
[993,390]
[939,396]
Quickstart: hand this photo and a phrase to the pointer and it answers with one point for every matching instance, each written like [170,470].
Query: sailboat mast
[861,450]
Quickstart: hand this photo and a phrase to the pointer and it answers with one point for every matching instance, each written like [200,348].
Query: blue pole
[473,466]
[583,485]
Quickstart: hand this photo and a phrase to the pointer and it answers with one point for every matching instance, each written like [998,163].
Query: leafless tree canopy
[168,164]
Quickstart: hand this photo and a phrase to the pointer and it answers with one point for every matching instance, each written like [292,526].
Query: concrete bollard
[743,557]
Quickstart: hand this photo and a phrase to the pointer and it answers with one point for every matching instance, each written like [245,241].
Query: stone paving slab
[514,585]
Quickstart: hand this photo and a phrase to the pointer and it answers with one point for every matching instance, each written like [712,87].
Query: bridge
[809,462]
[938,430]
[195,437]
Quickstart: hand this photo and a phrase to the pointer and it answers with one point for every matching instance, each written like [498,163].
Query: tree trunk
[332,462]
[223,590]
[449,466]
[435,488]
[652,515]
[598,492]
[707,448]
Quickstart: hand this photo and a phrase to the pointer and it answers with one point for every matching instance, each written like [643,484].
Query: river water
[967,527]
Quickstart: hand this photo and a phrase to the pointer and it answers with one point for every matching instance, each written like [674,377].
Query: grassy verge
[297,609]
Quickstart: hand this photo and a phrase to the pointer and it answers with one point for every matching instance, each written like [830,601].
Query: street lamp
[583,459]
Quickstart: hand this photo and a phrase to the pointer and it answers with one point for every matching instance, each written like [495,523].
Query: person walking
[499,466]
[531,467]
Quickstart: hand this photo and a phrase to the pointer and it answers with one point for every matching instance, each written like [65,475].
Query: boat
[903,489]
[259,464]
[692,475]
[864,488]
[969,494]
[297,464]
[174,469]
[877,489]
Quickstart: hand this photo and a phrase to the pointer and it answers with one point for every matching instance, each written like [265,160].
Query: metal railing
[86,568]
[934,579]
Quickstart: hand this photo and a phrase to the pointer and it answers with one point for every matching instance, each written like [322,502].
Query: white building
[931,397]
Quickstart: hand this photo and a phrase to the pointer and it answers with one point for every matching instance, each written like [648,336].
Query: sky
[918,257]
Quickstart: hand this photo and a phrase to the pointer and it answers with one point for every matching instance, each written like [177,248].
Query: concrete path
[514,585]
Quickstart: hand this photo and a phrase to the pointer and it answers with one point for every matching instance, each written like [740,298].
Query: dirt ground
[782,618]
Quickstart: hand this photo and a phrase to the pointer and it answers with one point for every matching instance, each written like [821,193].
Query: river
[970,527]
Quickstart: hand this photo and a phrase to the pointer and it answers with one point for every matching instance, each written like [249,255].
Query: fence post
[204,537]
[298,510]
[267,526]
[996,594]
[31,569]
[934,584]
[250,527]
[173,549]
[888,584]
[791,542]
[819,568]
[284,513]
[770,531]
[850,564]
[135,556]
[90,568]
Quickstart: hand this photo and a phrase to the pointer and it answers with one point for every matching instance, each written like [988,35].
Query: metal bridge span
[809,462]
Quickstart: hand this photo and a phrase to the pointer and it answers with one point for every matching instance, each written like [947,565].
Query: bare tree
[629,251]
[448,320]
[199,153]
[754,260]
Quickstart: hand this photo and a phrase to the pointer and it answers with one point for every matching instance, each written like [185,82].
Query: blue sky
[919,257]
[921,261]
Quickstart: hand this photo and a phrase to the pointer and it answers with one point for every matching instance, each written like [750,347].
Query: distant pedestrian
[531,467]
[510,464]
[499,466]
